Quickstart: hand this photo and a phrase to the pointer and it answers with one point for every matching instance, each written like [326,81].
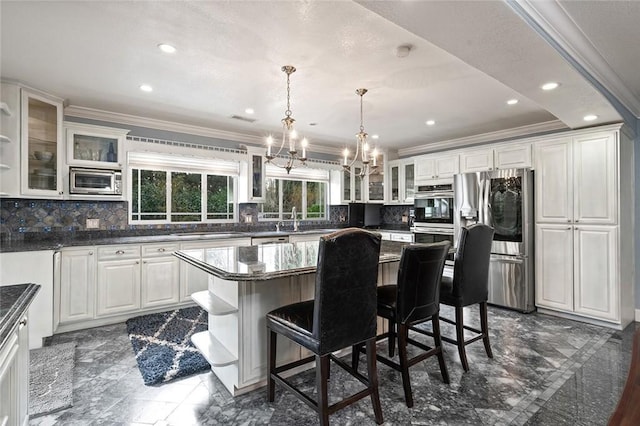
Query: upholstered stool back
[419,281]
[345,291]
[471,269]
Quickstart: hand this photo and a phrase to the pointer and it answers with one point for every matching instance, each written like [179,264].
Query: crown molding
[516,132]
[553,19]
[133,120]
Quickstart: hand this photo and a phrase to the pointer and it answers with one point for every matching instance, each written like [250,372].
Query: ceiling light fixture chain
[288,134]
[362,147]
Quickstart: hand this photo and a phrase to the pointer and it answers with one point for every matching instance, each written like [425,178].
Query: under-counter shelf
[214,352]
[213,304]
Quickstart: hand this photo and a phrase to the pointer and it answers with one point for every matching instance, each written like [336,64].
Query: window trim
[180,164]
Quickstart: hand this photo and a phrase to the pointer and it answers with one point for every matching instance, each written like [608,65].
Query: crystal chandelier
[369,161]
[289,135]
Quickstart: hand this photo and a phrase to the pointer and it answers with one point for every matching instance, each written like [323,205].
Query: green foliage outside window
[150,198]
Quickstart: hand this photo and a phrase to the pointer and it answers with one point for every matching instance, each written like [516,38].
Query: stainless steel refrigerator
[502,199]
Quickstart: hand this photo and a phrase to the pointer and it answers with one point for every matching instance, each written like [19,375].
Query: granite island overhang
[244,284]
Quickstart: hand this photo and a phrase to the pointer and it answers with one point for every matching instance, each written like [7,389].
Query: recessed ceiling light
[550,86]
[375,136]
[512,101]
[167,48]
[146,88]
[430,122]
[589,117]
[249,111]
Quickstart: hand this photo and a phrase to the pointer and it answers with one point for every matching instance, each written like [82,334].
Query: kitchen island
[244,284]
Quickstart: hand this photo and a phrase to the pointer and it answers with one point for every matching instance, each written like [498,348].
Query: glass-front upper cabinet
[41,125]
[352,185]
[94,146]
[409,182]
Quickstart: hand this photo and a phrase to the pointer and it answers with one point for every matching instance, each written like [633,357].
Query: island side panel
[257,298]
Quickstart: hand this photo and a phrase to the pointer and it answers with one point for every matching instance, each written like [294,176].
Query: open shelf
[213,304]
[213,351]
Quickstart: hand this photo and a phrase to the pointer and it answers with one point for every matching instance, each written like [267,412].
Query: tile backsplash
[20,216]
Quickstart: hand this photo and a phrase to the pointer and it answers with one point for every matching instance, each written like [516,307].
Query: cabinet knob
[144,261]
[23,322]
[568,220]
[119,252]
[577,221]
[161,249]
[137,262]
[568,228]
[90,253]
[60,192]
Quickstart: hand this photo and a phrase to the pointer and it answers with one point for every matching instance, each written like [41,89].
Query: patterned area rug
[162,344]
[51,378]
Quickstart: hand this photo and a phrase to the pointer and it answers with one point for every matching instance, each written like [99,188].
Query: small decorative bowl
[43,155]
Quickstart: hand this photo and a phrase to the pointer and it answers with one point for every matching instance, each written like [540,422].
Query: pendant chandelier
[369,161]
[289,136]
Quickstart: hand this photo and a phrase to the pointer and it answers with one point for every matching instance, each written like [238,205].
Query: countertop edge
[17,310]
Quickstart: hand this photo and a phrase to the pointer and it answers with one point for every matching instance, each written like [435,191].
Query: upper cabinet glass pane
[95,148]
[42,145]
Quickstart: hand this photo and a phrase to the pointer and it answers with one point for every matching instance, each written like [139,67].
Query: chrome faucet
[295,219]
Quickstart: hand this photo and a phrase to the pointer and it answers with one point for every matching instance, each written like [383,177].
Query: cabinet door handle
[568,228]
[23,322]
[119,251]
[568,220]
[137,262]
[161,249]
[144,261]
[90,253]
[577,221]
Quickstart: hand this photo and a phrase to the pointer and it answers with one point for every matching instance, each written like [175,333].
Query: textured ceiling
[467,59]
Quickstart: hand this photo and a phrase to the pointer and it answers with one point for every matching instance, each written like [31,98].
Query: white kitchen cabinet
[595,276]
[554,266]
[39,270]
[118,284]
[352,184]
[94,146]
[192,279]
[436,167]
[576,179]
[160,279]
[401,181]
[77,285]
[583,245]
[14,376]
[42,145]
[496,157]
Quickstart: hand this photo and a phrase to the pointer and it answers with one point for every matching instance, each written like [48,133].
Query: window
[282,195]
[179,196]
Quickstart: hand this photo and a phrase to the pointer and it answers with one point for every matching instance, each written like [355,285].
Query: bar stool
[469,285]
[342,314]
[415,299]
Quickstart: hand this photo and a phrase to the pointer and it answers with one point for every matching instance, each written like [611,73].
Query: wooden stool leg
[271,354]
[322,374]
[372,372]
[460,338]
[435,322]
[392,337]
[484,326]
[355,356]
[403,334]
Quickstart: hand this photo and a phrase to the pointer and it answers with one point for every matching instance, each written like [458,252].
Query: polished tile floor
[545,371]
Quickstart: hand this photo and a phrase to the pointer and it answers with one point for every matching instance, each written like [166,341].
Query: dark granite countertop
[14,302]
[58,241]
[268,261]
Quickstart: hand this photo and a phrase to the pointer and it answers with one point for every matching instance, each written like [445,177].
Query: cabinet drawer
[407,238]
[153,250]
[118,252]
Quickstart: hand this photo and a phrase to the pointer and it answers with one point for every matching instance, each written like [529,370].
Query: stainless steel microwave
[95,181]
